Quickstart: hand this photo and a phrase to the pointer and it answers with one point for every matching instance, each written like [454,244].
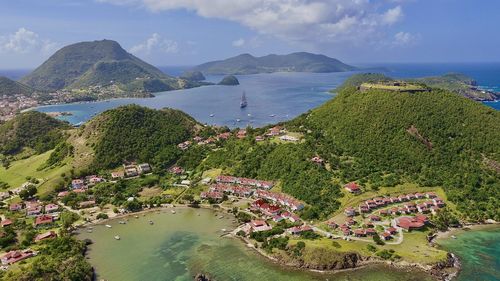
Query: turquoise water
[179,246]
[479,252]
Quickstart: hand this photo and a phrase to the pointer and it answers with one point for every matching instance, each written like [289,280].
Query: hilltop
[453,82]
[33,130]
[295,62]
[10,87]
[100,64]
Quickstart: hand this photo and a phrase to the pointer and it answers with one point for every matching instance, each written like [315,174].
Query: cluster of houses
[16,256]
[131,170]
[43,214]
[201,141]
[431,204]
[368,229]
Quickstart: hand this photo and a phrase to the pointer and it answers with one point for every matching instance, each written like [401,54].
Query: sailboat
[243,102]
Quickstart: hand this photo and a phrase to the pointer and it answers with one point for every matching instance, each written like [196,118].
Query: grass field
[16,175]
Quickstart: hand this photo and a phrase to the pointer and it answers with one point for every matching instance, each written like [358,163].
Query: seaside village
[265,208]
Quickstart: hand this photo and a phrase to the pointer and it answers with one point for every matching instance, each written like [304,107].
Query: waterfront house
[259,225]
[353,187]
[86,204]
[214,195]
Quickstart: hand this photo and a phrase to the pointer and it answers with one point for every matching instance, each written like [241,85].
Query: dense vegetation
[31,129]
[287,163]
[432,138]
[295,62]
[99,63]
[229,80]
[358,79]
[134,133]
[61,259]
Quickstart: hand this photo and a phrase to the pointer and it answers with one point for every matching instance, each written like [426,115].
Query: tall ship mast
[243,102]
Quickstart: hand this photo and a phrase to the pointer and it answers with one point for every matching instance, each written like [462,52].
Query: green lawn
[16,175]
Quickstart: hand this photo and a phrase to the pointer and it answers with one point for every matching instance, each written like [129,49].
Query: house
[94,179]
[259,225]
[51,208]
[291,217]
[394,211]
[422,208]
[15,207]
[370,231]
[359,232]
[15,256]
[62,194]
[274,131]
[224,136]
[5,222]
[77,183]
[143,168]
[43,220]
[259,138]
[317,160]
[185,182]
[241,134]
[34,210]
[4,195]
[278,218]
[117,175]
[214,195]
[350,212]
[375,218]
[364,209]
[384,212]
[430,195]
[353,187]
[176,170]
[350,221]
[332,224]
[86,204]
[386,236]
[131,171]
[391,230]
[289,138]
[438,202]
[185,145]
[46,235]
[410,223]
[296,230]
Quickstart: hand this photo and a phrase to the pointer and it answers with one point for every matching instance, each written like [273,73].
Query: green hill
[10,87]
[433,138]
[229,80]
[99,63]
[31,129]
[295,62]
[134,133]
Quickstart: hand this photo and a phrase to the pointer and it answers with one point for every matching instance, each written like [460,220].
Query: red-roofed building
[62,193]
[370,231]
[391,230]
[375,218]
[43,220]
[410,223]
[359,232]
[299,229]
[15,256]
[350,212]
[46,235]
[386,236]
[6,222]
[15,207]
[353,187]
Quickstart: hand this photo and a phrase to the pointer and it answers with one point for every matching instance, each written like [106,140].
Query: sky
[189,32]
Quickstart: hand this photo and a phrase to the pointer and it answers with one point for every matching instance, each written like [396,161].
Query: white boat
[117,237]
[243,102]
[249,115]
[454,237]
[89,230]
[108,226]
[173,211]
[212,115]
[151,222]
[136,217]
[272,115]
[238,120]
[122,222]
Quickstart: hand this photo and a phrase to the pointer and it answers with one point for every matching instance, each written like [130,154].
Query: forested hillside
[134,133]
[31,129]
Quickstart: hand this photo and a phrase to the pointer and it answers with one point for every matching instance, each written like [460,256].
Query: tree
[68,218]
[28,192]
[378,240]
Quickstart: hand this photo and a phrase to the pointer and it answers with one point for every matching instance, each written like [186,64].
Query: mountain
[135,133]
[31,129]
[193,76]
[10,87]
[229,80]
[295,62]
[99,63]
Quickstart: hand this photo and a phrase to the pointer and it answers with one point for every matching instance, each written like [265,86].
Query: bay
[178,246]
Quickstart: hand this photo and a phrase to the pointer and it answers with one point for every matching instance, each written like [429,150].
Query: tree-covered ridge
[295,62]
[134,133]
[374,134]
[357,79]
[31,129]
[10,87]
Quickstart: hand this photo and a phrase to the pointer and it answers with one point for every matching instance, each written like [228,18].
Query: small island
[229,80]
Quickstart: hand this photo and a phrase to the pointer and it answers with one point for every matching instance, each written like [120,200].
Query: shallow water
[479,253]
[180,245]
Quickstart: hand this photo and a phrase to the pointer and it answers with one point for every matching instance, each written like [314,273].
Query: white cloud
[292,20]
[155,43]
[238,43]
[25,41]
[405,38]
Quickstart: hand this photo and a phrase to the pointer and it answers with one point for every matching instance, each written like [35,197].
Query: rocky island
[229,80]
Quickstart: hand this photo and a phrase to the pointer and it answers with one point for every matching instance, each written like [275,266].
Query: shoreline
[437,270]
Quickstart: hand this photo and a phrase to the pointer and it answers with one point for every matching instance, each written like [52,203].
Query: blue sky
[187,32]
